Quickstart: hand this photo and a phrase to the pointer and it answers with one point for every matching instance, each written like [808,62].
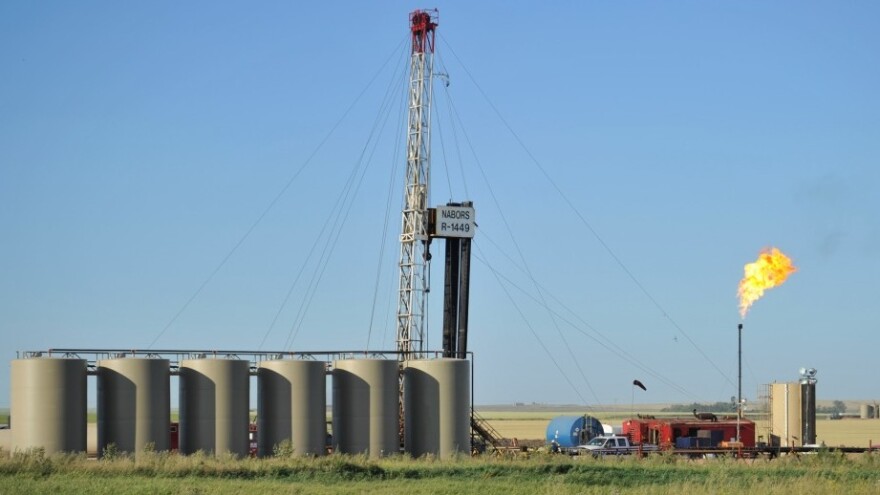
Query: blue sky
[656,148]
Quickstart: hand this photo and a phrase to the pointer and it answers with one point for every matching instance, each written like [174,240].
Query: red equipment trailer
[688,432]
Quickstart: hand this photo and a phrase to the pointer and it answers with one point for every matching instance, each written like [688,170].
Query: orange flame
[770,270]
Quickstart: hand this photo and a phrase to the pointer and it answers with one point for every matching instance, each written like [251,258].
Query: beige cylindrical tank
[436,395]
[292,406]
[133,404]
[365,407]
[49,404]
[785,412]
[866,411]
[214,399]
[92,439]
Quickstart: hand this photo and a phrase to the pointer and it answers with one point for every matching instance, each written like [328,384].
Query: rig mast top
[422,24]
[414,237]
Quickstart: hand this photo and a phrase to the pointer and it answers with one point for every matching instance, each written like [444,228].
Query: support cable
[454,131]
[443,151]
[275,199]
[586,223]
[522,257]
[348,195]
[401,112]
[535,334]
[596,336]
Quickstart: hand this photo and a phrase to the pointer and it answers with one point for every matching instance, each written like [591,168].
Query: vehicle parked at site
[612,445]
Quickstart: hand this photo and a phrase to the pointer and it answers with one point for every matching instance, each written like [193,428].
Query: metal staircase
[483,434]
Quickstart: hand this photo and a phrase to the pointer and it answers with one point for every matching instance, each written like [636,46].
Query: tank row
[49,405]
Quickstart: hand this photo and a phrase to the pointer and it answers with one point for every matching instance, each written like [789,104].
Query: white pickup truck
[611,445]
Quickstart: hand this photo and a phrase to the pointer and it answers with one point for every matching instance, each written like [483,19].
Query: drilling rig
[414,236]
[420,223]
[453,222]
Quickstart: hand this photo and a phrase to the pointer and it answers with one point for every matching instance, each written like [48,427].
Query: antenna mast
[414,237]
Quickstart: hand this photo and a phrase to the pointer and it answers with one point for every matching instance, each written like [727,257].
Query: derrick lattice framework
[414,238]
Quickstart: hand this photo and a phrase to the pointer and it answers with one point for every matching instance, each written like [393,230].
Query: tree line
[837,407]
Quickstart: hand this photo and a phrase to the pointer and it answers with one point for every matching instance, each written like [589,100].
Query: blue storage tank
[571,431]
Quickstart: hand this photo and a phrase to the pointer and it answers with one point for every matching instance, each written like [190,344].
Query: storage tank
[785,412]
[133,404]
[808,412]
[365,407]
[214,399]
[48,407]
[866,411]
[571,431]
[436,408]
[291,406]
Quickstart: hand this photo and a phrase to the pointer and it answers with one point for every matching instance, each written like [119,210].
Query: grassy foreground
[160,473]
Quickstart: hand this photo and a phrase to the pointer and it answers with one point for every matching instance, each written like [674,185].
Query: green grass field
[537,472]
[166,473]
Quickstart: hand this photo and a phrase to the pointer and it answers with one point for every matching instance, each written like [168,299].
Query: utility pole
[739,381]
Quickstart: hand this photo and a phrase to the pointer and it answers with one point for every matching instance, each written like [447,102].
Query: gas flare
[770,270]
